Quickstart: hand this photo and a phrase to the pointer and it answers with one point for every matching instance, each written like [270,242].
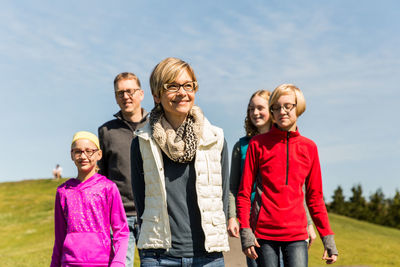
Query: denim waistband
[164,252]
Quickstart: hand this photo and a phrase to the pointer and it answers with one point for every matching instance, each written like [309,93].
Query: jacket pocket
[150,223]
[218,219]
[151,215]
[151,229]
[85,248]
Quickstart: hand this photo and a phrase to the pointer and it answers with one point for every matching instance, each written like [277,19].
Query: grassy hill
[26,236]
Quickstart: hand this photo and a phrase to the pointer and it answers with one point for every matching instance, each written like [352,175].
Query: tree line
[378,209]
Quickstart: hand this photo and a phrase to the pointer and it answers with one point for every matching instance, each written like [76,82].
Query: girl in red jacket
[280,162]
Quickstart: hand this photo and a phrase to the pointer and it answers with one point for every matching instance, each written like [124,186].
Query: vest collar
[209,136]
[144,132]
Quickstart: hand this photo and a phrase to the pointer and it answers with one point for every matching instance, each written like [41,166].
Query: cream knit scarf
[180,145]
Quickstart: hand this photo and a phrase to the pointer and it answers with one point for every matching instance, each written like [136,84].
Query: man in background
[57,171]
[115,141]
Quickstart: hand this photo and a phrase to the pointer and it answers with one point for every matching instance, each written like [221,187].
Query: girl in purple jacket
[86,208]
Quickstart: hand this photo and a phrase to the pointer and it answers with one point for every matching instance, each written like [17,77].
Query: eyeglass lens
[174,87]
[130,92]
[88,152]
[286,107]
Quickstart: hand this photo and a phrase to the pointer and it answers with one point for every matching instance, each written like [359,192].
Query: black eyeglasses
[88,152]
[287,107]
[130,92]
[174,87]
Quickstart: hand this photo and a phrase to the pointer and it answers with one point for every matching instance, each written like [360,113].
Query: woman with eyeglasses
[283,161]
[180,176]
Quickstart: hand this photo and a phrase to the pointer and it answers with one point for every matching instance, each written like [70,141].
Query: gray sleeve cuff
[329,245]
[247,238]
[232,206]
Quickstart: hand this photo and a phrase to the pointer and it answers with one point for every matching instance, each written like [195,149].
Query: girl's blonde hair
[287,89]
[251,129]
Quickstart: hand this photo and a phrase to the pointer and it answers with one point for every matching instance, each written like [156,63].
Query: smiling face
[286,120]
[258,112]
[129,104]
[85,154]
[177,105]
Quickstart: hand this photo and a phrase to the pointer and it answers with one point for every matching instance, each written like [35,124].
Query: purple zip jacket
[84,213]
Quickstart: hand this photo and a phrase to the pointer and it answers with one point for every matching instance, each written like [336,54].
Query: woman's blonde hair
[287,89]
[251,129]
[166,72]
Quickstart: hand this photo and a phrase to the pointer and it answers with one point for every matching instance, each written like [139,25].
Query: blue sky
[59,59]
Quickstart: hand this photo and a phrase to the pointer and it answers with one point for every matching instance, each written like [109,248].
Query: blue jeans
[133,232]
[294,253]
[252,263]
[153,258]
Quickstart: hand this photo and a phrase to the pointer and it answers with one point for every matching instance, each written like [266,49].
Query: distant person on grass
[57,171]
[86,208]
[283,161]
[257,121]
[115,141]
[180,176]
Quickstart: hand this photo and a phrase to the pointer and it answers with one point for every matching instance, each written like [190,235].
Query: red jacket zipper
[287,157]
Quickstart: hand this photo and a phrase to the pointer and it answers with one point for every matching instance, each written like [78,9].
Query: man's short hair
[125,76]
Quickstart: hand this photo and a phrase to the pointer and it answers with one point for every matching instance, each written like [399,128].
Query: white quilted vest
[155,229]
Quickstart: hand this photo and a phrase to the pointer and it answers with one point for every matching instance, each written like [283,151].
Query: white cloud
[65,42]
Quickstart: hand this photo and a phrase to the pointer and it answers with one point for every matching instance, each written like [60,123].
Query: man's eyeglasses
[174,87]
[286,107]
[130,92]
[88,152]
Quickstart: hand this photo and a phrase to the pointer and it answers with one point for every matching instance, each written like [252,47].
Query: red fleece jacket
[284,161]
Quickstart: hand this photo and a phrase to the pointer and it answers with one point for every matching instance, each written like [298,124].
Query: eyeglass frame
[287,110]
[165,85]
[75,155]
[121,93]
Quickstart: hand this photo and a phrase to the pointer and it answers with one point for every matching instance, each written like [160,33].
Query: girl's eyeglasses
[286,107]
[88,152]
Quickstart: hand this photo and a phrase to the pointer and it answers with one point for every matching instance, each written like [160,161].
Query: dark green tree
[393,215]
[338,204]
[357,205]
[377,208]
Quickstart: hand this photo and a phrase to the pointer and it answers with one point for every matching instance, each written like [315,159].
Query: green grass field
[26,223]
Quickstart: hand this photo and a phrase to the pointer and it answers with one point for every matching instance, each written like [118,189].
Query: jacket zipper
[130,128]
[287,157]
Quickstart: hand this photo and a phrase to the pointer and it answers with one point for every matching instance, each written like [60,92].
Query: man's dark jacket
[115,141]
